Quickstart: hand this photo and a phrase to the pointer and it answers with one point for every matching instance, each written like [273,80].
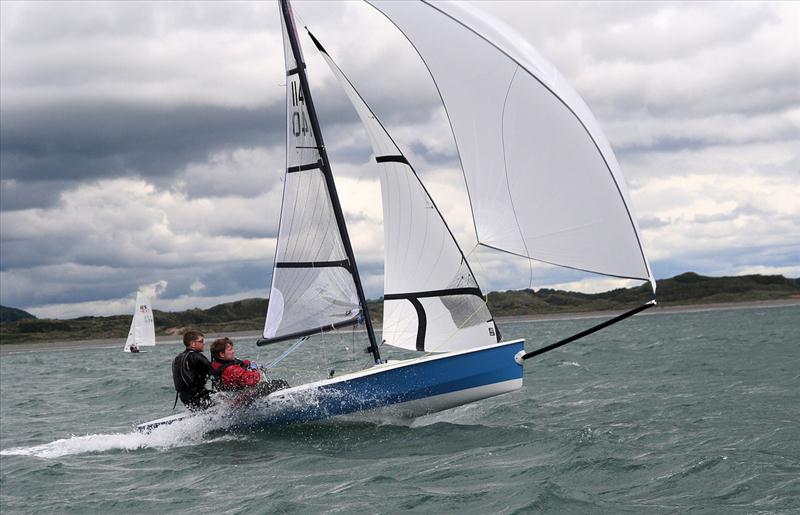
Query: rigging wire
[288,351]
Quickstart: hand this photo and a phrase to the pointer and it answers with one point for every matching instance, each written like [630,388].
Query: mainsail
[315,283]
[431,299]
[542,179]
[142,331]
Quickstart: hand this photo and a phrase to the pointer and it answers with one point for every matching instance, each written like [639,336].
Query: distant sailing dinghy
[543,184]
[143,331]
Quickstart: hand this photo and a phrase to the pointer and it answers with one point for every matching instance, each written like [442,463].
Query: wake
[225,421]
[189,432]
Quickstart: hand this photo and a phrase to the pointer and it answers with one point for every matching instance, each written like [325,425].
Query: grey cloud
[69,283]
[689,29]
[30,194]
[729,261]
[674,134]
[38,23]
[245,276]
[434,157]
[38,252]
[667,144]
[71,247]
[652,222]
[719,217]
[78,143]
[66,283]
[775,255]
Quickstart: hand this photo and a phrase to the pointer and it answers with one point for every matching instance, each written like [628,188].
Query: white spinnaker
[542,178]
[312,286]
[431,299]
[142,331]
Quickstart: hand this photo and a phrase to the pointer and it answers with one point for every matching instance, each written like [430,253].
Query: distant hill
[13,314]
[685,289]
[248,314]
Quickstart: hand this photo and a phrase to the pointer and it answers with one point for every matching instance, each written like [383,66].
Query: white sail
[431,299]
[313,287]
[142,332]
[542,179]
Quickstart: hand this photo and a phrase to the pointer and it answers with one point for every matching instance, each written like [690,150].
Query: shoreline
[110,343]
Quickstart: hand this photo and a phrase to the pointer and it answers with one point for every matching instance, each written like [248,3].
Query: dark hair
[219,346]
[190,336]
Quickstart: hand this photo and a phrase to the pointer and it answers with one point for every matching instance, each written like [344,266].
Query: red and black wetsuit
[233,374]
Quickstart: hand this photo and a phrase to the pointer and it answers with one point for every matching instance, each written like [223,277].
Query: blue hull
[407,388]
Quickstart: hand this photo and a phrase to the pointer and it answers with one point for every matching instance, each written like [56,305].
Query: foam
[183,433]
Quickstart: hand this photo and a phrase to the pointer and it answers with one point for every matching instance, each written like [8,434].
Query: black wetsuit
[190,371]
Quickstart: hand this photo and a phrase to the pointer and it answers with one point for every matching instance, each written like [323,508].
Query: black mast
[326,172]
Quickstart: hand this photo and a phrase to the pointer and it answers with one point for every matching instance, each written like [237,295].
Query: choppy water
[690,412]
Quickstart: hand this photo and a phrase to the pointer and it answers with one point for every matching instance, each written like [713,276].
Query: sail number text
[299,122]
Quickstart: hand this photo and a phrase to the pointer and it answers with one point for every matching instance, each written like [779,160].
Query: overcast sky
[142,144]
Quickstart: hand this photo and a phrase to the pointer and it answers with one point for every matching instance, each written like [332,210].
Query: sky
[142,143]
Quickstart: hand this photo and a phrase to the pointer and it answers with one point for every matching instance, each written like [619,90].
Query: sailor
[190,371]
[134,349]
[229,373]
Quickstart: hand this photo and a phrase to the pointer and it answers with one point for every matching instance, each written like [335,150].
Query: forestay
[431,299]
[542,179]
[312,283]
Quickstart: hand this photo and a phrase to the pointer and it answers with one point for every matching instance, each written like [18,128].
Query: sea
[689,412]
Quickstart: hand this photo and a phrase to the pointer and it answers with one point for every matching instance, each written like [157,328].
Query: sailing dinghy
[543,184]
[142,332]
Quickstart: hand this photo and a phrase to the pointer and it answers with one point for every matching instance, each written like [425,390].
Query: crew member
[229,373]
[190,371]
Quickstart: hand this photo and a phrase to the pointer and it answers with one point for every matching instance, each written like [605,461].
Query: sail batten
[313,264]
[542,179]
[303,168]
[435,293]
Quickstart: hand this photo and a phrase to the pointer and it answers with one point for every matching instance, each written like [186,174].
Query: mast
[327,174]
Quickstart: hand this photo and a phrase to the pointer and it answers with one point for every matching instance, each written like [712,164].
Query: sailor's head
[222,349]
[194,340]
